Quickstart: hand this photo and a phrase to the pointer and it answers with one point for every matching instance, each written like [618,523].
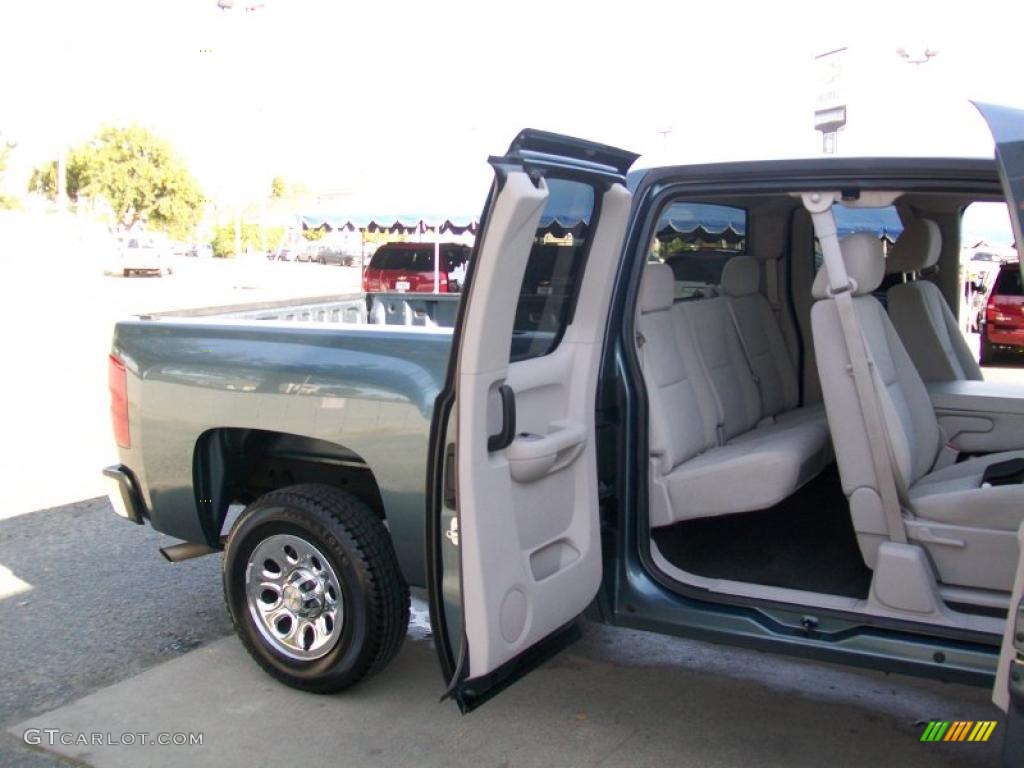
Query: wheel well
[233,465]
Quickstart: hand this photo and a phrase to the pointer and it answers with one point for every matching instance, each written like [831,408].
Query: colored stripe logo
[958,730]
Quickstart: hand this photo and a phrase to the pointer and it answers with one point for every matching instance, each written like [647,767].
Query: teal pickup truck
[720,401]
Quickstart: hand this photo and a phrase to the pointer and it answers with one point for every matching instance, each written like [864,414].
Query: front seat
[969,531]
[920,314]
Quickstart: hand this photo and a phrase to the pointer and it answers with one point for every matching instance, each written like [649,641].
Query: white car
[141,256]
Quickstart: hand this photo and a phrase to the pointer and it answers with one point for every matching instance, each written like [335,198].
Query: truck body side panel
[370,390]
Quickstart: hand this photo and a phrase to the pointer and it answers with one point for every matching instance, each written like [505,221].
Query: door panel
[1008,692]
[1007,127]
[537,295]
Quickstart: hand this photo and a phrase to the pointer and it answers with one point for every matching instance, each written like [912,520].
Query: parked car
[341,258]
[140,255]
[409,267]
[702,453]
[1002,325]
[282,254]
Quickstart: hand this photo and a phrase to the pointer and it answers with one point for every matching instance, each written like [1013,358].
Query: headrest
[916,249]
[741,276]
[865,263]
[657,288]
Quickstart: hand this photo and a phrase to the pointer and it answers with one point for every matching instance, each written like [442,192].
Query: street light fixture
[917,55]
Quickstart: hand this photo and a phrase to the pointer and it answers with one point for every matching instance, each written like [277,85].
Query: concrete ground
[619,698]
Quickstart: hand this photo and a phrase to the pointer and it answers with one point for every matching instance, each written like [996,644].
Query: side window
[553,270]
[696,240]
[986,241]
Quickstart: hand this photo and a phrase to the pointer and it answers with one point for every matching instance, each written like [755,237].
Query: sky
[396,106]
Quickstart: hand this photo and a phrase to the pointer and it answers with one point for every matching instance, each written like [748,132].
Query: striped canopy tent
[399,223]
[702,224]
[560,226]
[702,233]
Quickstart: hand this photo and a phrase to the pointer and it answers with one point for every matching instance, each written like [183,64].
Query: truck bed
[366,391]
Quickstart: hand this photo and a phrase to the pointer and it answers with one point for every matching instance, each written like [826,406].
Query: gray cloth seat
[766,353]
[919,313]
[713,452]
[967,530]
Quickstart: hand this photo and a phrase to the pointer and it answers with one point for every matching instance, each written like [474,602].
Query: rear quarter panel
[370,390]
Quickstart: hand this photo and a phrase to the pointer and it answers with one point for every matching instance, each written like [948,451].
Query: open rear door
[513,541]
[1007,126]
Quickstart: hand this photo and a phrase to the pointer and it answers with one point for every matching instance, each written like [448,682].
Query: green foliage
[223,242]
[278,188]
[314,234]
[6,201]
[44,177]
[137,173]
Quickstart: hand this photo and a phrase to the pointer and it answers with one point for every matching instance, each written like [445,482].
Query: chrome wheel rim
[294,597]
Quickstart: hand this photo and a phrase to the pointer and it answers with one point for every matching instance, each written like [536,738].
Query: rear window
[1008,283]
[419,259]
[455,258]
[884,223]
[696,240]
[406,259]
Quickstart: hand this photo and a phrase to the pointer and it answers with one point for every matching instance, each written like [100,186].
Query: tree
[223,242]
[6,201]
[314,234]
[44,177]
[137,173]
[278,188]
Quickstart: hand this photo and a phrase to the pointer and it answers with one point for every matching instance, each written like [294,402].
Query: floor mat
[806,542]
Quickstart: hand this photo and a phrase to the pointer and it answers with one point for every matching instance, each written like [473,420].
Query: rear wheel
[313,587]
[987,354]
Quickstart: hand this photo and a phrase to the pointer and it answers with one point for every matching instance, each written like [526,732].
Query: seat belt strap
[746,353]
[890,483]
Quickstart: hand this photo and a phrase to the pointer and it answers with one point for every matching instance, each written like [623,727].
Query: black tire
[376,597]
[987,353]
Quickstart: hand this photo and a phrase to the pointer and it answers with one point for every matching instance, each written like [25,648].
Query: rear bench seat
[719,443]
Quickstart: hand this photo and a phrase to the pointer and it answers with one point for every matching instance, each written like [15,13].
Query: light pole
[830,104]
[228,5]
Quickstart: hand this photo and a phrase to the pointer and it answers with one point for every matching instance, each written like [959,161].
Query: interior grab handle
[504,437]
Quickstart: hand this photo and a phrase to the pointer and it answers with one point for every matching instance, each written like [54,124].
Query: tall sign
[830,101]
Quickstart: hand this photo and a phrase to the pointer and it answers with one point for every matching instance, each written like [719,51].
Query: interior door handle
[504,437]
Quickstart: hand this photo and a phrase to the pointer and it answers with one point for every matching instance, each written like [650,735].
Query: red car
[1002,326]
[409,268]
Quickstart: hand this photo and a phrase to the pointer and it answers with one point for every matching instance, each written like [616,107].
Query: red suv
[409,268]
[1002,326]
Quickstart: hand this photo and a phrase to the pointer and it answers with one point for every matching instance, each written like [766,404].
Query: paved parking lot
[619,698]
[101,635]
